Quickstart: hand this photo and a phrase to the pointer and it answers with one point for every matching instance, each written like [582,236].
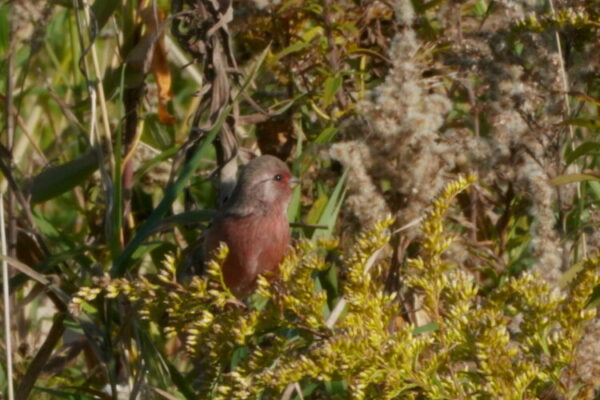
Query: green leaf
[63,3]
[282,106]
[584,123]
[568,276]
[431,4]
[115,228]
[61,394]
[156,134]
[480,8]
[297,46]
[179,380]
[309,388]
[293,48]
[519,48]
[594,189]
[430,327]
[239,355]
[544,341]
[57,180]
[583,149]
[153,162]
[332,208]
[189,217]
[594,297]
[336,388]
[4,28]
[145,249]
[332,85]
[45,227]
[103,9]
[584,97]
[315,212]
[326,135]
[572,178]
[294,208]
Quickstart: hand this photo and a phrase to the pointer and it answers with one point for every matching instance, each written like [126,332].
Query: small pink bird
[253,223]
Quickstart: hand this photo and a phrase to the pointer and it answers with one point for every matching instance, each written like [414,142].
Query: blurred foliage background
[446,224]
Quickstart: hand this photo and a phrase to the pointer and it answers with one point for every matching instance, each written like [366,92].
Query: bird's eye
[277,177]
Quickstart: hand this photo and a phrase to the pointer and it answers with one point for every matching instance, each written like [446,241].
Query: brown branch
[206,36]
[10,137]
[41,358]
[333,56]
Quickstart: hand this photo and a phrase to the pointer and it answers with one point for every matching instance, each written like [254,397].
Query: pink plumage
[253,223]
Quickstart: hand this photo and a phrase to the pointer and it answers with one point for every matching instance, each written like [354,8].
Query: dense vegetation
[446,228]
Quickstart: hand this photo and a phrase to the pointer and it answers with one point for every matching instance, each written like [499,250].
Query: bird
[253,223]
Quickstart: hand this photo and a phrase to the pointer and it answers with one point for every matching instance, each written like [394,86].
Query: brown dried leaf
[150,55]
[162,74]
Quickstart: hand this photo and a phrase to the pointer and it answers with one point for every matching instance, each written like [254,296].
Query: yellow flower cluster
[513,341]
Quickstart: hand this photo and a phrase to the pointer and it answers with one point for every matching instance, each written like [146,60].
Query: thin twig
[59,298]
[12,232]
[94,138]
[6,299]
[289,390]
[186,65]
[101,97]
[29,136]
[36,366]
[87,12]
[299,390]
[305,225]
[565,81]
[412,223]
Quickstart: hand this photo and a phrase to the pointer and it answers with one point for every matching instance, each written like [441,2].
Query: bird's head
[266,181]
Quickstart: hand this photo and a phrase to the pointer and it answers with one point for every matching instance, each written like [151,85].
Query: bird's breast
[257,244]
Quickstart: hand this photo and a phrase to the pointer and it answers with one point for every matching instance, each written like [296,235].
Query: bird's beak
[294,181]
